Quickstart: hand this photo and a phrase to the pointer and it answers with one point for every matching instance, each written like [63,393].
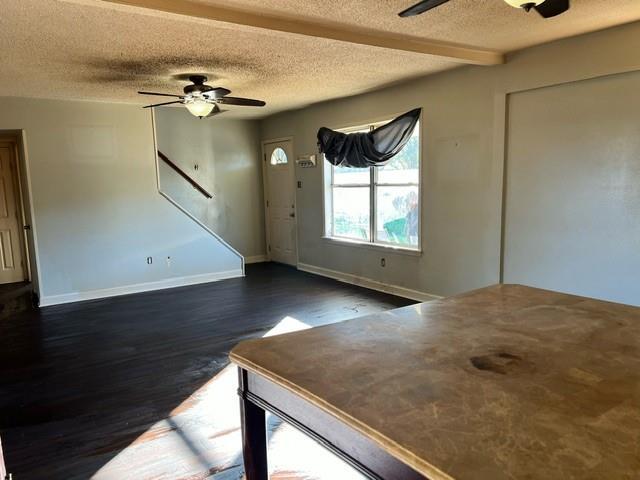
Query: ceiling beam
[343,33]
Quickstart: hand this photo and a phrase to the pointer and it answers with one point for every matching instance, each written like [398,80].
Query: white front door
[12,267]
[280,198]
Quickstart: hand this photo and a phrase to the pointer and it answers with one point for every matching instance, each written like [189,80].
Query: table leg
[254,436]
[3,471]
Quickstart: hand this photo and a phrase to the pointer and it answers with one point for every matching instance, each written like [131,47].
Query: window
[279,157]
[376,205]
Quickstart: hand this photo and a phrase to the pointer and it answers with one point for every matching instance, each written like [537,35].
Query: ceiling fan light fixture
[199,107]
[524,4]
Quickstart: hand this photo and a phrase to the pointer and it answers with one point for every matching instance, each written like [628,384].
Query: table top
[506,382]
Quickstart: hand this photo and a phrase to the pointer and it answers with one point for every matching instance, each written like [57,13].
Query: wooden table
[506,382]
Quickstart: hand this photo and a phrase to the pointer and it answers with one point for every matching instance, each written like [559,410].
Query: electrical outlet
[299,184]
[149,260]
[168,262]
[383,262]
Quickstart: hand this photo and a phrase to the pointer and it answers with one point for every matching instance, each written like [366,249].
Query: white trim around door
[292,184]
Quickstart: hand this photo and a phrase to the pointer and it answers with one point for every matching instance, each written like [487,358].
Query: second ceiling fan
[546,8]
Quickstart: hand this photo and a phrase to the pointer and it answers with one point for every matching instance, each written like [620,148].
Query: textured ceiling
[92,50]
[482,23]
[56,49]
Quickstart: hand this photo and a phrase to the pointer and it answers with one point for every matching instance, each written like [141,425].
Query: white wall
[572,219]
[227,153]
[98,214]
[463,150]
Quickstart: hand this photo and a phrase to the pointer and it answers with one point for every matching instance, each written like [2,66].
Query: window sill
[344,242]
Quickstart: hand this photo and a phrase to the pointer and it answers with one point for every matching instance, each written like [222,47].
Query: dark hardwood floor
[138,386]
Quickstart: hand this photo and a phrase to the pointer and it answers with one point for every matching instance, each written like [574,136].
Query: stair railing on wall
[184,175]
[161,157]
[167,161]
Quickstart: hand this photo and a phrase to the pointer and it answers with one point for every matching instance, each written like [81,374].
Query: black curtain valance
[370,149]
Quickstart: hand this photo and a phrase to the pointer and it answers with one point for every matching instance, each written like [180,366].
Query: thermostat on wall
[306,161]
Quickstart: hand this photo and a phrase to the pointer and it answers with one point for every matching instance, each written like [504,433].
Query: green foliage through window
[379,204]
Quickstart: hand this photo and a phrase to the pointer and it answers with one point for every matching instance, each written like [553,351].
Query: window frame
[372,185]
[286,157]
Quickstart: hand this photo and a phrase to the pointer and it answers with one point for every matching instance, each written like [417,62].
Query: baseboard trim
[256,259]
[368,283]
[50,300]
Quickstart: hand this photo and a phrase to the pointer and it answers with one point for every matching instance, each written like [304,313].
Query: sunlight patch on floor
[293,455]
[287,325]
[201,440]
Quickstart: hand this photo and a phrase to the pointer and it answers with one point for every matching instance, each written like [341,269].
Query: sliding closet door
[572,218]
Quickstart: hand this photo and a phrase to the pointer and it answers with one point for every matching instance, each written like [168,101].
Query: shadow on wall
[223,156]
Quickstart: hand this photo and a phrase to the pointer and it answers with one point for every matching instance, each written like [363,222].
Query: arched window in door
[279,157]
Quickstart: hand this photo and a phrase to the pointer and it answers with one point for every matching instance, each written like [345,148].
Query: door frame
[25,201]
[265,189]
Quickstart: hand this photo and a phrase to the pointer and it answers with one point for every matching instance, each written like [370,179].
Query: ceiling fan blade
[421,7]
[161,94]
[246,102]
[551,8]
[217,92]
[165,103]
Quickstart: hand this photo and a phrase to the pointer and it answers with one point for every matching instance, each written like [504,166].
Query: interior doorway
[14,264]
[280,201]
